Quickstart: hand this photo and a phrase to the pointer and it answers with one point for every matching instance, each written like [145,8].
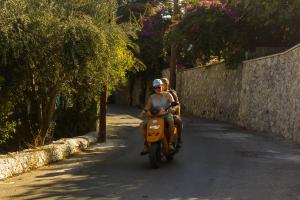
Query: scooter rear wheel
[169,157]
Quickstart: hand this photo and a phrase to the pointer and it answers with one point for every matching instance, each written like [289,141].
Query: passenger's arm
[171,99]
[177,107]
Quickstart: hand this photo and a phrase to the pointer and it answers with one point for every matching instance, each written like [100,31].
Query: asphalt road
[217,162]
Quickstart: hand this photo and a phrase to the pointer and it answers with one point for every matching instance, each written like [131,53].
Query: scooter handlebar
[162,111]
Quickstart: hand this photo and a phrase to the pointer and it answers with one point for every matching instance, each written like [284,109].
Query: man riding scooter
[159,99]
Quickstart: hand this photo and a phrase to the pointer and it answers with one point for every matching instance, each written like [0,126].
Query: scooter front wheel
[154,155]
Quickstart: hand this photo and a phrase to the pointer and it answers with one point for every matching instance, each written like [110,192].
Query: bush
[228,28]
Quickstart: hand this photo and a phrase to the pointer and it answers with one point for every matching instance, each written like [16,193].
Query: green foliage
[226,29]
[151,36]
[7,127]
[203,34]
[152,52]
[276,21]
[51,49]
[75,120]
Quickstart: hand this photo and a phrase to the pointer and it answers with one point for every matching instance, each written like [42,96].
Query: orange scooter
[157,137]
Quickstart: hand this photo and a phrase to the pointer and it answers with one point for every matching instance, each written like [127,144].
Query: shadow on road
[218,162]
[110,171]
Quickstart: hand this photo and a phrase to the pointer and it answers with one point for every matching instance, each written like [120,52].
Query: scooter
[157,137]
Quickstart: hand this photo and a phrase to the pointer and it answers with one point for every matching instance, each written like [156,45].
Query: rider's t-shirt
[162,102]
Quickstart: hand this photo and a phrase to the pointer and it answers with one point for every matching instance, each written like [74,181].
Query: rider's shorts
[176,117]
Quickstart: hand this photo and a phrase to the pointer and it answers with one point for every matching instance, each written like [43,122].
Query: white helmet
[157,82]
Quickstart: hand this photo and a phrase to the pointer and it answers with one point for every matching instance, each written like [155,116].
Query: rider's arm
[173,92]
[147,107]
[171,99]
[177,99]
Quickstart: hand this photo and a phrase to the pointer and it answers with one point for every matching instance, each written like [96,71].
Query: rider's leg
[179,125]
[143,130]
[170,124]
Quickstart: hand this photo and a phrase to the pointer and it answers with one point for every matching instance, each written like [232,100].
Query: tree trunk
[130,87]
[176,7]
[173,60]
[173,66]
[144,90]
[44,108]
[102,117]
[48,117]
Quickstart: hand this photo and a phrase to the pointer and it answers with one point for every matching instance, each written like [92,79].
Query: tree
[152,54]
[52,49]
[174,49]
[226,29]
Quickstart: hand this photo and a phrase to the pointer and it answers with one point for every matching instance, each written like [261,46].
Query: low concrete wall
[20,162]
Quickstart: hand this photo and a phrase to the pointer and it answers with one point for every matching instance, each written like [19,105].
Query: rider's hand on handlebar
[172,111]
[142,114]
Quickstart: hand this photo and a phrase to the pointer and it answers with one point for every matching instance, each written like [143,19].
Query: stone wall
[262,94]
[270,97]
[210,92]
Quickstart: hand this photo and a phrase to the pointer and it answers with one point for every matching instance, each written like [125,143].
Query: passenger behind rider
[159,99]
[177,118]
